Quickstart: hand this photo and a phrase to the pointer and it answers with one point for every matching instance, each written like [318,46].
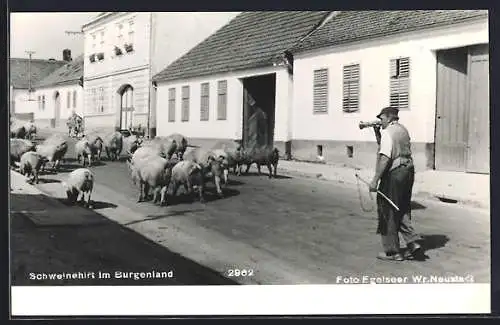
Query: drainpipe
[151,112]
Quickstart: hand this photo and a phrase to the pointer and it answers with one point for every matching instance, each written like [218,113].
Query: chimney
[67,55]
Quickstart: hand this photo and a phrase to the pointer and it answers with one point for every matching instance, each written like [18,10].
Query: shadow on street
[430,242]
[90,243]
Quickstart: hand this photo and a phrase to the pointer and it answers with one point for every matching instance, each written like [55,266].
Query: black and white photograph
[249,162]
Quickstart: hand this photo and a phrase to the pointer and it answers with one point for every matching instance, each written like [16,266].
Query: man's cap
[388,111]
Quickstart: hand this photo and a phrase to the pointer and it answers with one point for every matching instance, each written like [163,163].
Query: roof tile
[69,73]
[250,40]
[19,71]
[349,26]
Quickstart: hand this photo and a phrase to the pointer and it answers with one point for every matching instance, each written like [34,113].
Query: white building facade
[122,51]
[55,104]
[211,108]
[352,82]
[237,84]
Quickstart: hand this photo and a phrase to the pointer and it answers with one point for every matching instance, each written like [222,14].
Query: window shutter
[171,105]
[320,91]
[400,83]
[350,98]
[74,99]
[68,99]
[185,104]
[204,102]
[222,100]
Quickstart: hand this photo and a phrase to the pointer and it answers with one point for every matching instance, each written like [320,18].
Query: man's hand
[373,185]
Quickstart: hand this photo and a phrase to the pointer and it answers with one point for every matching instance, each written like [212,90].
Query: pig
[17,130]
[131,144]
[187,174]
[83,151]
[181,142]
[146,151]
[53,149]
[264,156]
[152,172]
[18,147]
[113,144]
[212,166]
[228,161]
[30,164]
[164,146]
[79,182]
[30,129]
[96,144]
[231,150]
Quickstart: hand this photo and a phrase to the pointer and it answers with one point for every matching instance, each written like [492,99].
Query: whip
[359,193]
[379,192]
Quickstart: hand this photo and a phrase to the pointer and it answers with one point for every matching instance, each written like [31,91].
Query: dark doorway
[57,108]
[259,111]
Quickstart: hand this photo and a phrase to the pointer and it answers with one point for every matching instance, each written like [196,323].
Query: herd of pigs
[155,165]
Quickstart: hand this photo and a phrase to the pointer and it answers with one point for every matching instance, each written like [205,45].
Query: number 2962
[239,272]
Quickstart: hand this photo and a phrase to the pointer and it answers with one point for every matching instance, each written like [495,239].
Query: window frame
[319,110]
[185,103]
[222,93]
[349,82]
[400,79]
[171,104]
[204,101]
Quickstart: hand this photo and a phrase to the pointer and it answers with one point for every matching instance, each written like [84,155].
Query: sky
[44,34]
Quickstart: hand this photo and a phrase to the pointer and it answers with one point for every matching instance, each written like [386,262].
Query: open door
[259,111]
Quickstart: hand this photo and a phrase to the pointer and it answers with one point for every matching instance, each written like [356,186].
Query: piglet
[79,182]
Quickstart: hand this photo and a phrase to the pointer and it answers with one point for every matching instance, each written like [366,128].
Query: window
[93,42]
[74,98]
[127,99]
[320,91]
[400,83]
[39,103]
[101,100]
[350,98]
[68,100]
[131,32]
[94,100]
[171,105]
[102,40]
[43,102]
[185,104]
[222,100]
[120,34]
[204,109]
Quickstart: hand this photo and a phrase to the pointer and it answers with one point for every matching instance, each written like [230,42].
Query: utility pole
[30,53]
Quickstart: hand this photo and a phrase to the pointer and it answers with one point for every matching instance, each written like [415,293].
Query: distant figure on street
[396,173]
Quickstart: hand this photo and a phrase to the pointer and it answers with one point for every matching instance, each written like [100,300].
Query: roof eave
[212,73]
[59,83]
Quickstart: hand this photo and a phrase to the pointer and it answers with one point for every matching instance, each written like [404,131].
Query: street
[288,230]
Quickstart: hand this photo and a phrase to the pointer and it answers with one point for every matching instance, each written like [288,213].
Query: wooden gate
[462,110]
[451,121]
[478,146]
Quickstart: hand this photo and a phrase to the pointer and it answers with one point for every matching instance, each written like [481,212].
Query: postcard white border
[251,300]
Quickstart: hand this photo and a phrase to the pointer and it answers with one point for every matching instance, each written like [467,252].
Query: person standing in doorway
[396,173]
